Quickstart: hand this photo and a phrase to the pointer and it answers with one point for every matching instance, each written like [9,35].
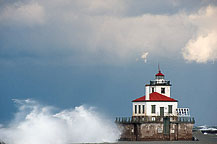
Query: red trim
[155,96]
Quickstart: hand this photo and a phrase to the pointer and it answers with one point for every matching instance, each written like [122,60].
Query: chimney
[147,93]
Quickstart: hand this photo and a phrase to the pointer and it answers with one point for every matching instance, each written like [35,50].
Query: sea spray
[37,124]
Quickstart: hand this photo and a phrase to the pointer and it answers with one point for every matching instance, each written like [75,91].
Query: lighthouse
[156,116]
[157,100]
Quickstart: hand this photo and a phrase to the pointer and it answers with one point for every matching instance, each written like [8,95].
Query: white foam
[36,124]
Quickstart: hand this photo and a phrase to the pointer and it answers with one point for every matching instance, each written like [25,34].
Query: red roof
[159,74]
[155,96]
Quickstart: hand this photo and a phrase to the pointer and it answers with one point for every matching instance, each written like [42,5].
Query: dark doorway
[166,128]
[136,131]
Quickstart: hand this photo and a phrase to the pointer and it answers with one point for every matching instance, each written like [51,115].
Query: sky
[100,53]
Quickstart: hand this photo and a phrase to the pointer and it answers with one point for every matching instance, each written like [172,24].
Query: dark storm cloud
[136,8]
[110,31]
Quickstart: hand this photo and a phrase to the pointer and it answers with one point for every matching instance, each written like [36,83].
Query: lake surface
[203,139]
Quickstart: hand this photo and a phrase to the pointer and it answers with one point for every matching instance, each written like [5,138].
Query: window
[139,109]
[163,90]
[159,77]
[143,108]
[135,109]
[152,89]
[153,108]
[170,109]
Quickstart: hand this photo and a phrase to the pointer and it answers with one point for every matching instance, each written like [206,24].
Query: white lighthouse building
[156,115]
[157,100]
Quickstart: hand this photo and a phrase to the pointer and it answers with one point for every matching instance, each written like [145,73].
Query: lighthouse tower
[159,85]
[156,115]
[157,100]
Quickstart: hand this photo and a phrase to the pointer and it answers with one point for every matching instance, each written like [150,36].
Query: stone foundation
[155,130]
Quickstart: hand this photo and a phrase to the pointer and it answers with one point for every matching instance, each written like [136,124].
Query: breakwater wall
[155,128]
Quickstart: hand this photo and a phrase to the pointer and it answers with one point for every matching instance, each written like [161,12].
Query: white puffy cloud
[203,46]
[144,56]
[202,49]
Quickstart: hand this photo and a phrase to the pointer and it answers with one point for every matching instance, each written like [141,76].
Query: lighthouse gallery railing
[153,119]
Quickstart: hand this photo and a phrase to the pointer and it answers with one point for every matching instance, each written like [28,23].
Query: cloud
[203,47]
[75,32]
[22,13]
[144,56]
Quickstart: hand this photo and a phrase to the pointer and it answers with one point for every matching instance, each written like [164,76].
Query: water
[37,124]
[203,139]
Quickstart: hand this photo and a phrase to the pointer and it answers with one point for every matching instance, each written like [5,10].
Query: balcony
[154,119]
[160,82]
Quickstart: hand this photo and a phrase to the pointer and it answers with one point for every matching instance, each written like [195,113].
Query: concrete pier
[155,128]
